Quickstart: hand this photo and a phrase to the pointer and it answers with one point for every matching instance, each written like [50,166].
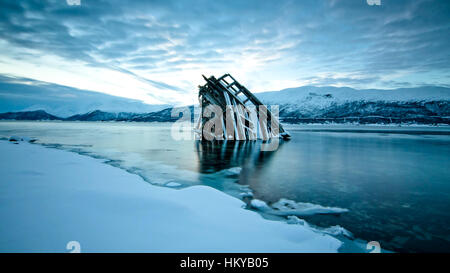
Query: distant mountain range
[28,95]
[308,104]
[29,115]
[425,105]
[97,115]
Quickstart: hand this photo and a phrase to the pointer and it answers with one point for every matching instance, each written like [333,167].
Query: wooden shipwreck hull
[231,112]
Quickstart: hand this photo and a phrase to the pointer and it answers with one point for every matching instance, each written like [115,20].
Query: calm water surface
[395,181]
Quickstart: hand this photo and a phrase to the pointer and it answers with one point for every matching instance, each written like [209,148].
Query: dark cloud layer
[315,36]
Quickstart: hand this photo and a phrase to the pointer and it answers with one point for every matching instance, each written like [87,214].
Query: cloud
[330,80]
[169,44]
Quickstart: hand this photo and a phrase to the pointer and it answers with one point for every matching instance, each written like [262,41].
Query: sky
[156,51]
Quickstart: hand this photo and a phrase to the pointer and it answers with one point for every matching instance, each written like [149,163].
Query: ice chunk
[15,138]
[19,138]
[260,205]
[333,230]
[336,231]
[294,220]
[233,171]
[286,207]
[246,195]
[173,184]
[290,207]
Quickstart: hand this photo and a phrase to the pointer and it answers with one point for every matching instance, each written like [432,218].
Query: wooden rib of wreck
[248,118]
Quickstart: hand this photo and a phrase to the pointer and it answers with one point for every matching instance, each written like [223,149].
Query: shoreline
[286,123]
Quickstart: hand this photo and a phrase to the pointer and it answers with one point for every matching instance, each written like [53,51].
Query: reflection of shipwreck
[215,156]
[231,112]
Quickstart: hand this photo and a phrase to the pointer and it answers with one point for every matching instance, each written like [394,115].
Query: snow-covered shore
[50,197]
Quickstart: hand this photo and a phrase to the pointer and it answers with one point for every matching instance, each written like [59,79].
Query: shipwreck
[229,111]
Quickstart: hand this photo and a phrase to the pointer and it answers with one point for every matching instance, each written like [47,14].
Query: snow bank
[50,197]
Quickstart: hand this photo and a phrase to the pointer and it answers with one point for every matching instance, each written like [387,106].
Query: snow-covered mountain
[27,95]
[164,115]
[98,115]
[309,104]
[322,96]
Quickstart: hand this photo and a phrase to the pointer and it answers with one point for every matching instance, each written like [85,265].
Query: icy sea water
[395,181]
